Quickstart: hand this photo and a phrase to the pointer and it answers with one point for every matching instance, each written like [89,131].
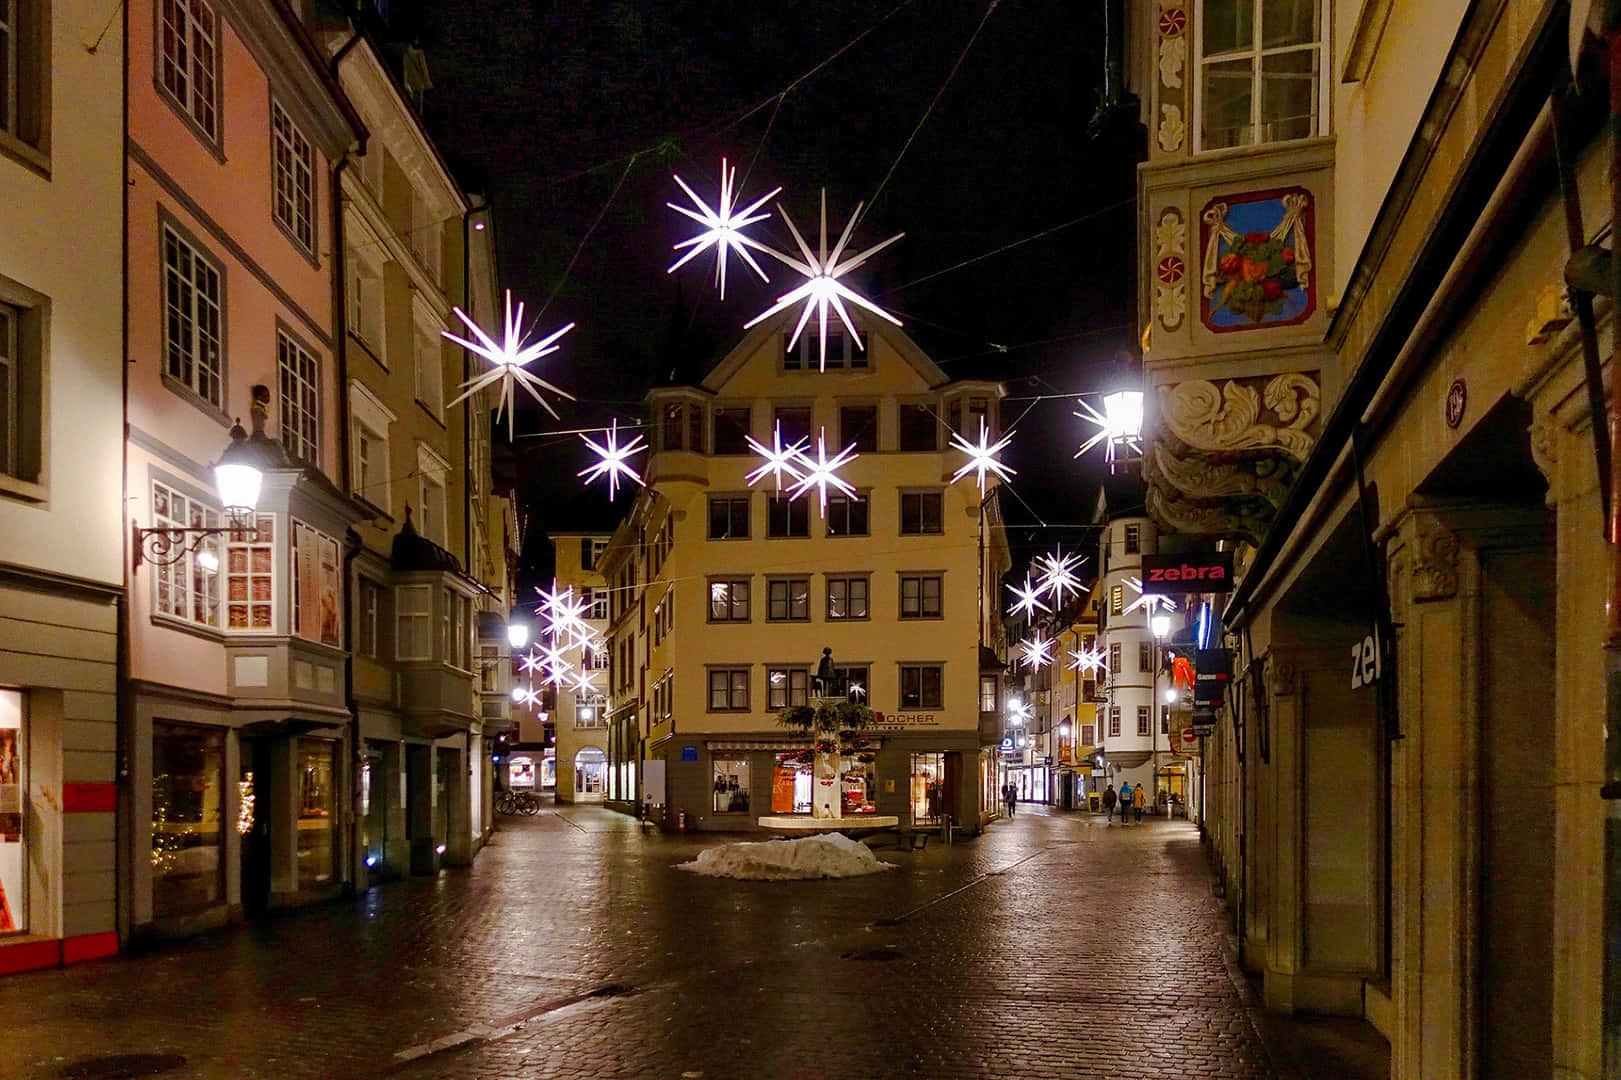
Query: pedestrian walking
[1108,803]
[1139,800]
[1125,801]
[1010,795]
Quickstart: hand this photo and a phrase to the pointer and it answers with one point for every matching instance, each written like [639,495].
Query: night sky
[572,117]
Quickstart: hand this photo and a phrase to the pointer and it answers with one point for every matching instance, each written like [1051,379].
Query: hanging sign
[1204,721]
[1367,664]
[1193,572]
[1212,672]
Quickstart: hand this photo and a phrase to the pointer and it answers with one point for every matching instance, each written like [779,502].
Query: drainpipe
[124,793]
[352,544]
[1611,789]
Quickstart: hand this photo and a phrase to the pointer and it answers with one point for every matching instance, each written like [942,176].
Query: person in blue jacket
[1125,801]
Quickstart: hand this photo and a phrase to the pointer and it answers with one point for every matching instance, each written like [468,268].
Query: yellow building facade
[724,595]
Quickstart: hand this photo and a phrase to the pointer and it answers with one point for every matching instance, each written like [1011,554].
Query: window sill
[921,618]
[217,414]
[298,245]
[29,157]
[207,633]
[806,536]
[437,416]
[12,487]
[213,144]
[366,347]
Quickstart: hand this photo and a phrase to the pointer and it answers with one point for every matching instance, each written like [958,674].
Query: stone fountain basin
[806,825]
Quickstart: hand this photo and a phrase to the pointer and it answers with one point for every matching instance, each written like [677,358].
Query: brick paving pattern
[1053,946]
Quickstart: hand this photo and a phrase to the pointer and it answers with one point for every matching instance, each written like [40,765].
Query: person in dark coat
[1108,803]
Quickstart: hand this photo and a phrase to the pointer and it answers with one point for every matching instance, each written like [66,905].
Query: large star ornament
[510,358]
[822,473]
[822,287]
[722,227]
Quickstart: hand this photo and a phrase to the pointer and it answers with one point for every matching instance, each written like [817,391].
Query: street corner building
[725,591]
[255,575]
[1376,326]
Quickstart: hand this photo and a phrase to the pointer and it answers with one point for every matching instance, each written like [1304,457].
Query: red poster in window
[782,789]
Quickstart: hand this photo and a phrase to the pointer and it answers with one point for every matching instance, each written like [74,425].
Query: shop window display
[317,847]
[731,787]
[13,916]
[928,788]
[793,783]
[188,775]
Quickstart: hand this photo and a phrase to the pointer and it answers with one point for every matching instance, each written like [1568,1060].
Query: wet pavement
[1053,946]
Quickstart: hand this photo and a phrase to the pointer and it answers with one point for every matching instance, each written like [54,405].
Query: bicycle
[511,802]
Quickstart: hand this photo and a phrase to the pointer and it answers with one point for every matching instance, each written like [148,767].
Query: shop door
[953,790]
[254,785]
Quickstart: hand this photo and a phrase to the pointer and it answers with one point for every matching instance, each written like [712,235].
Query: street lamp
[517,634]
[237,478]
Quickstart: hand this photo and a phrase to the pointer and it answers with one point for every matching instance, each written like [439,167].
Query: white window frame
[200,281]
[428,359]
[298,397]
[433,505]
[420,622]
[201,109]
[262,539]
[369,420]
[367,313]
[1255,53]
[292,184]
[183,578]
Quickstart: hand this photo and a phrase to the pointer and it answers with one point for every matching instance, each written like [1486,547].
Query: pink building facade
[235,729]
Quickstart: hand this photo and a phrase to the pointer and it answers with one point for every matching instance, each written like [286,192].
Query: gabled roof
[898,339]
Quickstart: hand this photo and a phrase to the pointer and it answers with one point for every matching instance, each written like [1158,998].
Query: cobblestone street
[1053,946]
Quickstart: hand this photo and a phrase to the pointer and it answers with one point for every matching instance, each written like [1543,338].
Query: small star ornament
[1149,602]
[1028,599]
[1087,660]
[779,459]
[510,358]
[1037,651]
[1058,575]
[982,457]
[822,473]
[611,459]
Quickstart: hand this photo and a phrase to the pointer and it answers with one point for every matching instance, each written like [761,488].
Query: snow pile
[830,855]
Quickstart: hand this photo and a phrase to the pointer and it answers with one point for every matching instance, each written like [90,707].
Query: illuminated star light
[532,662]
[1037,651]
[723,227]
[583,683]
[820,474]
[1029,599]
[531,696]
[857,690]
[1120,422]
[613,457]
[509,358]
[1058,575]
[779,459]
[1149,602]
[981,458]
[1019,712]
[1088,660]
[822,285]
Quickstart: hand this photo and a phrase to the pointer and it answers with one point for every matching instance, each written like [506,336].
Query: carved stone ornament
[1198,476]
[1435,559]
[1170,269]
[1230,418]
[1173,44]
[1172,131]
[1544,443]
[1200,518]
[1280,677]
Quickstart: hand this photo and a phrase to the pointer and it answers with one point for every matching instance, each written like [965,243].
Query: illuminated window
[847,597]
[250,579]
[729,600]
[188,588]
[787,686]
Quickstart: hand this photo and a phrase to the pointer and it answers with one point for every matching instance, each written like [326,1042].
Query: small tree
[837,725]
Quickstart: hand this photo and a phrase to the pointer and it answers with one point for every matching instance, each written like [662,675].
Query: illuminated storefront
[13,898]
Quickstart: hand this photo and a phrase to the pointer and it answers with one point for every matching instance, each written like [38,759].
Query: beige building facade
[1363,366]
[580,718]
[724,595]
[62,535]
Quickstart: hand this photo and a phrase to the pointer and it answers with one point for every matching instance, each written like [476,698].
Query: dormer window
[843,352]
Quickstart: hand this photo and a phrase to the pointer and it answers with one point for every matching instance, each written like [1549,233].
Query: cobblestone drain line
[1281,1060]
[901,918]
[507,1025]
